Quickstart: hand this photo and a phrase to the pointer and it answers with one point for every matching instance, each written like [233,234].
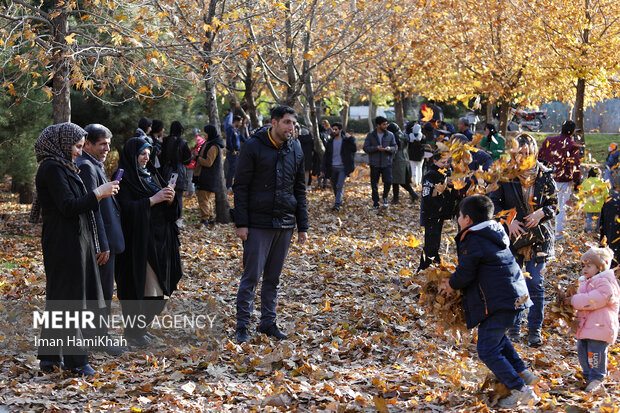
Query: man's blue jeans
[337,178]
[497,352]
[593,358]
[536,289]
[231,158]
[592,222]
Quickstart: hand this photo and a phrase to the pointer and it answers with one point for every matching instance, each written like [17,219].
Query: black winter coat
[209,178]
[347,153]
[487,273]
[610,227]
[150,232]
[441,206]
[269,185]
[175,154]
[510,195]
[108,218]
[67,239]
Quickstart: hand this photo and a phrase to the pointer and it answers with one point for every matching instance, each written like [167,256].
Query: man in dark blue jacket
[234,139]
[108,217]
[380,145]
[339,160]
[270,199]
[494,295]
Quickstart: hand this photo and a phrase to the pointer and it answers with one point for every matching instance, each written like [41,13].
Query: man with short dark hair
[157,137]
[270,200]
[234,139]
[107,217]
[562,152]
[339,160]
[464,128]
[380,145]
[144,128]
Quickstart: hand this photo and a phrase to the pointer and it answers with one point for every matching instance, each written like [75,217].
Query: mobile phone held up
[173,180]
[119,175]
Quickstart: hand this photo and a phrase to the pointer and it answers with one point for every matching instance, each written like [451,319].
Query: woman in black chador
[69,242]
[148,271]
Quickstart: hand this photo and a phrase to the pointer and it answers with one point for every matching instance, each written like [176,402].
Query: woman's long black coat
[150,232]
[69,254]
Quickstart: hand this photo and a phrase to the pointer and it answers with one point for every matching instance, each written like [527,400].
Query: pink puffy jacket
[597,304]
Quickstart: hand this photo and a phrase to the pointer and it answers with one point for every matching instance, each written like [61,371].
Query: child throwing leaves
[494,295]
[438,203]
[596,303]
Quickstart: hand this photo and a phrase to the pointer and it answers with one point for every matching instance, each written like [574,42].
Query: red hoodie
[563,153]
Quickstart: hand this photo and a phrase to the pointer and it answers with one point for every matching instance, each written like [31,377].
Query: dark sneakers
[534,338]
[85,370]
[242,335]
[273,331]
[138,342]
[50,366]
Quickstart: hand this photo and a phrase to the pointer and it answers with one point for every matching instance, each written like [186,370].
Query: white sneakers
[521,397]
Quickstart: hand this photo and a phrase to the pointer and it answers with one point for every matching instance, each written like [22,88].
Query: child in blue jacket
[494,295]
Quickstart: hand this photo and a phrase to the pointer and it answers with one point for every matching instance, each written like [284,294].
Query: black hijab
[143,183]
[213,136]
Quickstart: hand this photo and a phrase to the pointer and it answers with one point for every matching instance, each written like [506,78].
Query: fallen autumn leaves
[360,339]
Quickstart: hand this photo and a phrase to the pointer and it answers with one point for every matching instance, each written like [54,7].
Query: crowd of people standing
[127,229]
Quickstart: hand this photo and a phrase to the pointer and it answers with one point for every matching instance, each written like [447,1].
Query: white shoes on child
[521,397]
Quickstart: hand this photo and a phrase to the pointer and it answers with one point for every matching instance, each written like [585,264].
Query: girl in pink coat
[596,303]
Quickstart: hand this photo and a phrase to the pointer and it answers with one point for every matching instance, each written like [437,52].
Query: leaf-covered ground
[349,299]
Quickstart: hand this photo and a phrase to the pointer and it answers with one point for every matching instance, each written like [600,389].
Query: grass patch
[8,265]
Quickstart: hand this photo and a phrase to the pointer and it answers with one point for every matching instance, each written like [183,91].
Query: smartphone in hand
[119,175]
[173,180]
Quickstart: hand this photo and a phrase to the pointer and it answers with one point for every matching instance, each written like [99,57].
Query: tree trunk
[581,82]
[372,113]
[291,87]
[248,95]
[26,193]
[312,107]
[407,107]
[61,100]
[579,102]
[489,115]
[504,109]
[344,113]
[398,108]
[222,207]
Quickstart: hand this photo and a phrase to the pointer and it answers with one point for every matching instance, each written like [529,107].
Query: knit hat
[601,257]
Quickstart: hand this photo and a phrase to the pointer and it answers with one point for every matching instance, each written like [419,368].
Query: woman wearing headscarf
[529,188]
[69,241]
[148,271]
[207,174]
[401,168]
[175,154]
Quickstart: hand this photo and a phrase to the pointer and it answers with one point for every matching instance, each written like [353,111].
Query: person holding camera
[149,269]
